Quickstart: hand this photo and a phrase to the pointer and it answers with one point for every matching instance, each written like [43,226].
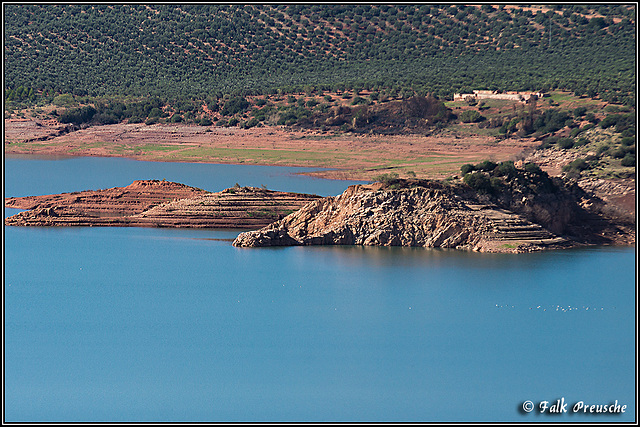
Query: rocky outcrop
[238,207]
[153,203]
[521,213]
[618,196]
[429,214]
[101,207]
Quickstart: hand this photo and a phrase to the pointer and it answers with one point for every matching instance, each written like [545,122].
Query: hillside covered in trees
[185,53]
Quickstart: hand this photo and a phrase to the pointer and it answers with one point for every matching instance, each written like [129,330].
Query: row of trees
[193,50]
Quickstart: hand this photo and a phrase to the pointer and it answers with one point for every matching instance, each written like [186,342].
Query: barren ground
[347,156]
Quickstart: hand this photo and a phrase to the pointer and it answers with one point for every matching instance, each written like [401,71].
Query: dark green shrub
[565,143]
[506,169]
[237,104]
[575,132]
[251,123]
[625,121]
[77,115]
[533,168]
[631,131]
[548,142]
[155,112]
[63,100]
[576,165]
[232,122]
[486,166]
[614,109]
[628,160]
[496,184]
[478,181]
[550,121]
[510,126]
[471,116]
[291,115]
[627,141]
[609,121]
[617,153]
[466,168]
[579,111]
[205,121]
[580,142]
[105,119]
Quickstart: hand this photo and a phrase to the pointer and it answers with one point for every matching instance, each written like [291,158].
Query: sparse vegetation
[387,178]
[471,116]
[495,178]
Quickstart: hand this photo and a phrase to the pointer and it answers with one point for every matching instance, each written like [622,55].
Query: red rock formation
[156,203]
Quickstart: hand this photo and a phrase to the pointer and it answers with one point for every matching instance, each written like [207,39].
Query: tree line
[193,51]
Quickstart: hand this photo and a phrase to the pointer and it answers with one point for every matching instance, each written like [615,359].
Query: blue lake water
[136,324]
[44,176]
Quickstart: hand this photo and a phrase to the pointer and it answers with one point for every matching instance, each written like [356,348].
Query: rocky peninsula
[523,213]
[154,203]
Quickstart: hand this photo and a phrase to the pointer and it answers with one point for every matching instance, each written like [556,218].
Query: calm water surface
[135,324]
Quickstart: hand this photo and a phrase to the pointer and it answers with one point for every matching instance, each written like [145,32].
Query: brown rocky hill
[153,203]
[433,214]
[411,115]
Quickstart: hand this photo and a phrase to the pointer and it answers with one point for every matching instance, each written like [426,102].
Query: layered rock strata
[153,203]
[517,217]
[428,215]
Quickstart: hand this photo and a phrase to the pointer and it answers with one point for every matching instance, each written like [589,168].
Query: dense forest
[186,53]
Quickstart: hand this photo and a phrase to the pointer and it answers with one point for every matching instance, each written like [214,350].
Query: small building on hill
[494,94]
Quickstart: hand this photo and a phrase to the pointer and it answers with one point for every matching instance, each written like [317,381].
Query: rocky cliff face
[426,213]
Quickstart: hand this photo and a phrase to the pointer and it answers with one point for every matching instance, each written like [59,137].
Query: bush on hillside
[471,116]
